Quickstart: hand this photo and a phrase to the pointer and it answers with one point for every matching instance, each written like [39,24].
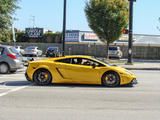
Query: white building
[81,36]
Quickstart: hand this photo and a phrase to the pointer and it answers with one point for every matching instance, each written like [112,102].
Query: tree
[7,8]
[107,18]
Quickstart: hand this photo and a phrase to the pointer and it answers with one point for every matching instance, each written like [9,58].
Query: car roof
[6,46]
[113,46]
[31,47]
[72,56]
[52,47]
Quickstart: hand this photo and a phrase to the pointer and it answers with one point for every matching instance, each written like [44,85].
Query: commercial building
[89,36]
[81,36]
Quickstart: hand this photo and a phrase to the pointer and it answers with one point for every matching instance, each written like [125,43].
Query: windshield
[101,61]
[112,48]
[52,48]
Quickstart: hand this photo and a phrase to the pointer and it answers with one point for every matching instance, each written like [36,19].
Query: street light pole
[130,31]
[64,29]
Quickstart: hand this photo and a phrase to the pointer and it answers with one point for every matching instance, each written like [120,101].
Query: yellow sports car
[78,69]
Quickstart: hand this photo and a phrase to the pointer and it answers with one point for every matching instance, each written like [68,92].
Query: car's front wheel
[111,79]
[42,77]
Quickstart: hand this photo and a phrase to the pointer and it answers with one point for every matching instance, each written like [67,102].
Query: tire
[42,77]
[4,68]
[111,79]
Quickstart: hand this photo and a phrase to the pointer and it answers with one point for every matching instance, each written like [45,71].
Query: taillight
[12,56]
[118,52]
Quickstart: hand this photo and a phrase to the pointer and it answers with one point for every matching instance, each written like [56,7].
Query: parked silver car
[32,51]
[10,59]
[19,49]
[114,51]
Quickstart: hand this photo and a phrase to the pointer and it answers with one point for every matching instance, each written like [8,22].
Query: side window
[77,61]
[86,62]
[13,50]
[68,60]
[1,50]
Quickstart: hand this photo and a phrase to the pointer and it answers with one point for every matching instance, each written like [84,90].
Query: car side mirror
[93,65]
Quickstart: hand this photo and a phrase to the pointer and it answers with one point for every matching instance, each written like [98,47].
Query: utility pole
[130,31]
[13,32]
[33,20]
[64,28]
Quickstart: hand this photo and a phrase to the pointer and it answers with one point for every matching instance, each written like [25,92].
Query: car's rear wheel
[111,79]
[4,68]
[42,77]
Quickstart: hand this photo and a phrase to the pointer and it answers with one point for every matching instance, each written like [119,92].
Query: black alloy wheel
[111,79]
[42,77]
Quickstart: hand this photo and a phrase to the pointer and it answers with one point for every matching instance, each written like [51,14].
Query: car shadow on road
[16,83]
[87,85]
[58,85]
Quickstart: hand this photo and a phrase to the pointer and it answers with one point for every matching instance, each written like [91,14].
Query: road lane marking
[13,90]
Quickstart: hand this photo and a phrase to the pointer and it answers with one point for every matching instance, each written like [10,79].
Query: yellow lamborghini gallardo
[78,69]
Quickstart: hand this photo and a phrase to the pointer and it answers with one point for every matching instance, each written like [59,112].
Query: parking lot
[20,99]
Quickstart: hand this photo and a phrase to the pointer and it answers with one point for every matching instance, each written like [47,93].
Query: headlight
[129,72]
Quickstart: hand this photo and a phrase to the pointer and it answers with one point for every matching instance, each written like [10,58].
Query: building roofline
[146,35]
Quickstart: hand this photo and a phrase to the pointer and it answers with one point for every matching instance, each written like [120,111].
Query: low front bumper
[134,81]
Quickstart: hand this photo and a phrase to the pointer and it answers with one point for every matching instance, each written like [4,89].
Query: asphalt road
[21,100]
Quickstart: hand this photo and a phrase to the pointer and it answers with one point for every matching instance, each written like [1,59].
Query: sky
[48,14]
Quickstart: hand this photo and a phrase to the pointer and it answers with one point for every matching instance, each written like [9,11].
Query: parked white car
[20,50]
[32,51]
[115,52]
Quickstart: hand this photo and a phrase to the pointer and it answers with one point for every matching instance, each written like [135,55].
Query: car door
[82,73]
[79,73]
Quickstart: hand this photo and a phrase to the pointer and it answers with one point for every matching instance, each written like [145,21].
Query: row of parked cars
[35,51]
[11,57]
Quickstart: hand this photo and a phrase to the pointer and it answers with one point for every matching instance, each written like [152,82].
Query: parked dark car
[10,59]
[52,52]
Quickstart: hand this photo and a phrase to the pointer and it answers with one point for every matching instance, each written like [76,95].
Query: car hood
[121,70]
[117,68]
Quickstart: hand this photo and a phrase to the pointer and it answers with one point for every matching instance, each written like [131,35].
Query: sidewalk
[140,66]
